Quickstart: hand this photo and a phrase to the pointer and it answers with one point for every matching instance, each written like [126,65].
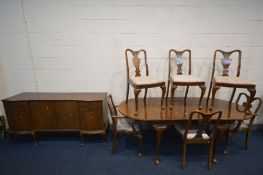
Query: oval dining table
[151,112]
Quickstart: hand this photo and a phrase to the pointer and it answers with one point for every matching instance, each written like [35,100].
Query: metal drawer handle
[91,117]
[70,115]
[47,108]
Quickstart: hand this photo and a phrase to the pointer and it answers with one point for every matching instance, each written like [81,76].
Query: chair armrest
[118,117]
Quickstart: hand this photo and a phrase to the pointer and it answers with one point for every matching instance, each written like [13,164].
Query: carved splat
[201,125]
[226,61]
[179,63]
[136,62]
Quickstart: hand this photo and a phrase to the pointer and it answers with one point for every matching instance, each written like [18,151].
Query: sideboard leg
[81,139]
[104,137]
[13,137]
[34,138]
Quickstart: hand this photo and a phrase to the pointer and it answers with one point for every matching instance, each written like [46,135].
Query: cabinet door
[18,116]
[67,115]
[43,115]
[90,114]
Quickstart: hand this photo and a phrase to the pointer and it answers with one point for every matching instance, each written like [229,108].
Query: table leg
[159,131]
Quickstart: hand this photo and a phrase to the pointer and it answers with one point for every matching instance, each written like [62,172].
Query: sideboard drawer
[22,106]
[23,121]
[67,115]
[90,106]
[91,120]
[43,114]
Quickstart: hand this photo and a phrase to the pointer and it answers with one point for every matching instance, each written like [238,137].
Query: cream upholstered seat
[232,80]
[194,133]
[121,125]
[191,132]
[225,80]
[144,80]
[182,80]
[140,82]
[185,78]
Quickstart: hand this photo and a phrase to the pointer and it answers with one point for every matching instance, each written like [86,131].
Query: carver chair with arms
[121,125]
[195,133]
[139,82]
[182,80]
[243,125]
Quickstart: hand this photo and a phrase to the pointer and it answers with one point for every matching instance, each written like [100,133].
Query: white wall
[78,45]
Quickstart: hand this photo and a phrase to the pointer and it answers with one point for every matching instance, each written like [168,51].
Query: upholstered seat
[232,80]
[192,133]
[140,81]
[185,79]
[233,125]
[179,79]
[144,80]
[126,124]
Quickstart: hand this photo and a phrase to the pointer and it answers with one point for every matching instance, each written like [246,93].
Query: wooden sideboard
[31,112]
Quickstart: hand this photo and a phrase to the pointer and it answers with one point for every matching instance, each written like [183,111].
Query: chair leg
[184,155]
[145,95]
[167,93]
[163,94]
[139,137]
[214,89]
[173,87]
[114,142]
[232,96]
[136,94]
[186,93]
[127,92]
[216,142]
[227,137]
[247,139]
[210,153]
[203,88]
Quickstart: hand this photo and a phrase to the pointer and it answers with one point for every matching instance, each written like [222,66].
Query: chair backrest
[204,120]
[136,61]
[179,59]
[112,108]
[253,107]
[225,62]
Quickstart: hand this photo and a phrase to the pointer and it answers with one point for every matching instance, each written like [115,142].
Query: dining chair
[225,80]
[179,79]
[138,81]
[243,125]
[195,133]
[122,126]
